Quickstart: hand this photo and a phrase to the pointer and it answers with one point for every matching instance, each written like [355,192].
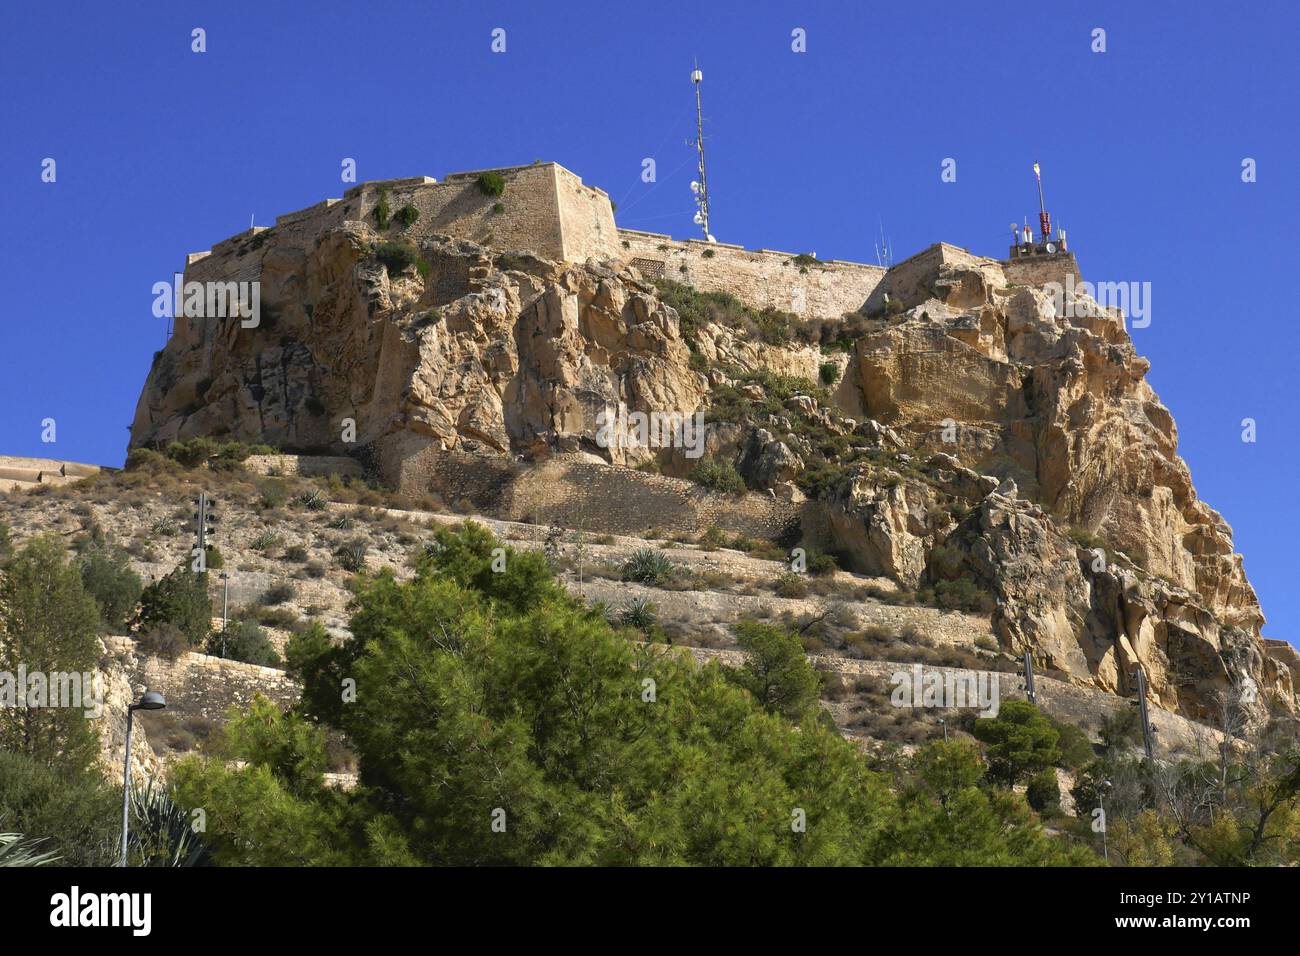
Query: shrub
[383,211]
[791,585]
[273,493]
[407,215]
[279,593]
[820,563]
[398,255]
[829,373]
[1085,539]
[1044,792]
[717,476]
[491,184]
[1076,749]
[244,641]
[295,552]
[192,453]
[76,817]
[963,594]
[181,598]
[163,640]
[146,459]
[107,577]
[212,559]
[648,566]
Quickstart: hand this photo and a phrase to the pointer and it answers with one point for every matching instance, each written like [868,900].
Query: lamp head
[151,700]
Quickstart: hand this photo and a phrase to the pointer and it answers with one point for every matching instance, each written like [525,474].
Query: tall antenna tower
[700,188]
[884,254]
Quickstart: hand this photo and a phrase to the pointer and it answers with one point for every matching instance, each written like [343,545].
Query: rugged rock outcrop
[993,440]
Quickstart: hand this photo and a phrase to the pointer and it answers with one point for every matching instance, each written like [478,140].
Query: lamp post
[225,609]
[151,700]
[944,724]
[1101,799]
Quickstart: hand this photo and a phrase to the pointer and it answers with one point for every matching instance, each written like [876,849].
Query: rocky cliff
[958,436]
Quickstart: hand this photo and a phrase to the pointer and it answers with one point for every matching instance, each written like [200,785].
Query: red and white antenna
[1044,220]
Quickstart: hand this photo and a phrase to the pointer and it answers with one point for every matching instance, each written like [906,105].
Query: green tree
[776,670]
[1044,792]
[107,576]
[506,723]
[244,641]
[48,627]
[181,598]
[71,811]
[1020,742]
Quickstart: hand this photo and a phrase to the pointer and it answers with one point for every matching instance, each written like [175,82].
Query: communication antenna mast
[884,254]
[701,188]
[1044,220]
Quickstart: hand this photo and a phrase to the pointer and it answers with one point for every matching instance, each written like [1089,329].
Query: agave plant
[161,831]
[312,501]
[648,566]
[15,851]
[638,613]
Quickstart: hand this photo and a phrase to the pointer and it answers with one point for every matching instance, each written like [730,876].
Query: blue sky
[162,151]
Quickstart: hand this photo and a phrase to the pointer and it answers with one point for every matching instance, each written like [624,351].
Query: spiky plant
[352,556]
[648,566]
[312,501]
[162,833]
[15,851]
[638,613]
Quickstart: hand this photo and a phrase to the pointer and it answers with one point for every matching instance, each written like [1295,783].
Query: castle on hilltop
[548,210]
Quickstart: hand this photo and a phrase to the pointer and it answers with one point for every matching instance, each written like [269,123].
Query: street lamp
[1101,799]
[944,724]
[151,700]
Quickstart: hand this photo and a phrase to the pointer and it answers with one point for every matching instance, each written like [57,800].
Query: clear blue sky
[162,151]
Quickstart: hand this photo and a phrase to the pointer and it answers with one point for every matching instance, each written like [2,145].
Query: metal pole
[1105,848]
[698,77]
[126,781]
[1029,678]
[1146,717]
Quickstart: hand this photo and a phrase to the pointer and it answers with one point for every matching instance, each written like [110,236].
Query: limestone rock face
[996,439]
[1060,405]
[507,355]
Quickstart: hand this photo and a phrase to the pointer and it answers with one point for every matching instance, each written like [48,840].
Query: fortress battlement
[546,209]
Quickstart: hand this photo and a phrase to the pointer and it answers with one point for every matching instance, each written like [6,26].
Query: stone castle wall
[1037,271]
[762,278]
[547,210]
[199,685]
[575,492]
[544,209]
